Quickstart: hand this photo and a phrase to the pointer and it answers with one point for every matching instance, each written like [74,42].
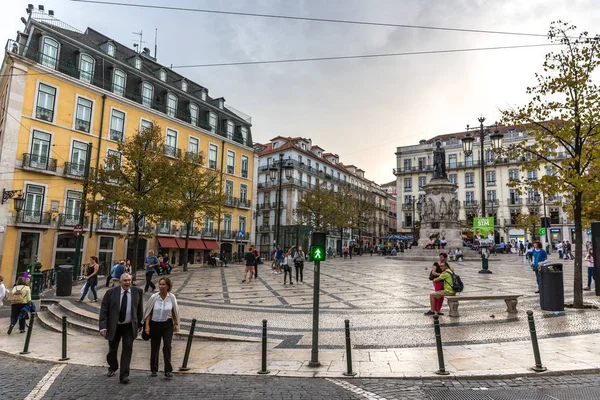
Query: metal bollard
[536,350]
[188,347]
[438,343]
[64,339]
[263,368]
[28,338]
[348,350]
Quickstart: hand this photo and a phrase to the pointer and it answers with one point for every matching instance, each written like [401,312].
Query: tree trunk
[578,275]
[136,237]
[185,251]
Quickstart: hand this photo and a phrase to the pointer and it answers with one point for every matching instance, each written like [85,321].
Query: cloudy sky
[360,109]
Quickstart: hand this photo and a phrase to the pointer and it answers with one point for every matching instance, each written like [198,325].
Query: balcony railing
[514,202]
[109,223]
[533,201]
[193,157]
[244,203]
[209,233]
[172,151]
[98,80]
[407,206]
[33,217]
[34,161]
[168,229]
[116,135]
[490,183]
[193,231]
[230,169]
[470,203]
[144,228]
[70,220]
[263,206]
[44,114]
[82,125]
[212,164]
[74,169]
[227,234]
[231,201]
[469,184]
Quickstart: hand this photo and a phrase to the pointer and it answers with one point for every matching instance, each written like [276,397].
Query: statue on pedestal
[443,208]
[439,161]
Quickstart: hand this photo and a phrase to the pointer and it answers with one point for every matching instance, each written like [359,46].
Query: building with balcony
[310,166]
[414,169]
[61,89]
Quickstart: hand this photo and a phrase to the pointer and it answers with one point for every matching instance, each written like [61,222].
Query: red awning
[167,243]
[194,244]
[211,245]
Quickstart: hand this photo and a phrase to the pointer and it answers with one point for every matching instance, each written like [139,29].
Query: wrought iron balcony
[212,164]
[194,231]
[514,202]
[263,206]
[70,220]
[110,223]
[82,125]
[470,203]
[227,234]
[172,151]
[116,135]
[33,217]
[231,201]
[193,157]
[44,114]
[166,229]
[209,233]
[244,203]
[230,169]
[37,162]
[74,169]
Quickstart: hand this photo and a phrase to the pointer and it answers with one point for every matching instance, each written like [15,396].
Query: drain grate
[574,393]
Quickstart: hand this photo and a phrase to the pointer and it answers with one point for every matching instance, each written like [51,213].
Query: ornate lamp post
[275,173]
[19,203]
[467,142]
[545,224]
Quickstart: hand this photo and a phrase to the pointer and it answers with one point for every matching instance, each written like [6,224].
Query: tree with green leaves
[530,223]
[316,208]
[562,121]
[134,185]
[197,194]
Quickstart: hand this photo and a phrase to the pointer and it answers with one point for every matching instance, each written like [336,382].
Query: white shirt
[162,309]
[128,314]
[2,293]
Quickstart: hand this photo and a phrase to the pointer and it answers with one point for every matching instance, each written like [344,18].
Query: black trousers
[15,310]
[255,270]
[299,267]
[287,270]
[158,331]
[124,333]
[149,283]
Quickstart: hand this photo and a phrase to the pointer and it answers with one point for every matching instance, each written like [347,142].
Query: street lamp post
[545,224]
[275,173]
[467,141]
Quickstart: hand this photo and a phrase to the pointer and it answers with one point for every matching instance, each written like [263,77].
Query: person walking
[109,276]
[161,320]
[128,267]
[590,259]
[346,251]
[279,259]
[250,261]
[150,263]
[288,260]
[121,316]
[91,279]
[21,297]
[2,291]
[569,255]
[256,262]
[299,264]
[539,255]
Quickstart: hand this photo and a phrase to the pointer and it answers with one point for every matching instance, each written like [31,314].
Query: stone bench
[510,300]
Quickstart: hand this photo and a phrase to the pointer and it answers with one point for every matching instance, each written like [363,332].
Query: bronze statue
[439,161]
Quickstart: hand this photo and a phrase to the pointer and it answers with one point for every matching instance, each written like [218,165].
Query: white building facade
[414,169]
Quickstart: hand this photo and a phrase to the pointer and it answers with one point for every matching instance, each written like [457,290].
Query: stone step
[57,312]
[48,322]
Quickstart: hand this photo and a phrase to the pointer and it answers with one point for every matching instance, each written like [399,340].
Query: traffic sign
[542,231]
[78,230]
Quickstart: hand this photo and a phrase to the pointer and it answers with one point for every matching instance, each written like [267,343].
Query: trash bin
[552,290]
[64,280]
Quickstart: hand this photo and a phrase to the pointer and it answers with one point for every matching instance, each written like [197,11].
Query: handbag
[431,276]
[145,335]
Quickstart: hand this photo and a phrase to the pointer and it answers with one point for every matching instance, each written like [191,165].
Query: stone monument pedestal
[439,214]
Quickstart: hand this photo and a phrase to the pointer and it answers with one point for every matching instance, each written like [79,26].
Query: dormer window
[244,131]
[221,103]
[275,145]
[171,105]
[212,122]
[50,52]
[86,68]
[137,63]
[230,129]
[110,49]
[147,94]
[203,95]
[194,114]
[184,85]
[163,75]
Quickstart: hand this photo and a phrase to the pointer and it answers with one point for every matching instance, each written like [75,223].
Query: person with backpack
[539,255]
[447,278]
[288,260]
[299,264]
[21,297]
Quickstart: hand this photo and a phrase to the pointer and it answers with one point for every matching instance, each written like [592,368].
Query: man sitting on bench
[448,289]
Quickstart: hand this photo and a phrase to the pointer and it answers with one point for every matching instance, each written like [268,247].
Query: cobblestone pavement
[19,377]
[383,299]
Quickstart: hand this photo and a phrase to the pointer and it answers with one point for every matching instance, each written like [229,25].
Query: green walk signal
[317,253]
[542,231]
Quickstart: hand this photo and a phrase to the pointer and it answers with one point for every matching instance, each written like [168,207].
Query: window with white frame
[513,174]
[241,227]
[145,124]
[212,122]
[78,158]
[50,52]
[194,111]
[532,175]
[163,75]
[34,203]
[203,95]
[244,132]
[490,178]
[209,224]
[40,150]
[194,145]
[469,179]
[245,166]
[138,63]
[110,49]
[147,94]
[184,85]
[118,83]
[72,207]
[229,191]
[113,159]
[407,164]
[490,197]
[230,162]
[243,193]
[171,143]
[470,198]
[408,184]
[117,125]
[452,161]
[212,156]
[45,103]
[453,178]
[227,224]
[469,160]
[230,130]
[83,115]
[422,181]
[86,68]
[171,105]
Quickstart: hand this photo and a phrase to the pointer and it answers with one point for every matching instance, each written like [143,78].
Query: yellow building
[61,89]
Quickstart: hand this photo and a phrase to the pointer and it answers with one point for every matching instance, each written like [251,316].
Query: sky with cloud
[359,109]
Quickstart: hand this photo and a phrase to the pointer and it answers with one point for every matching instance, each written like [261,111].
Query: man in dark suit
[121,317]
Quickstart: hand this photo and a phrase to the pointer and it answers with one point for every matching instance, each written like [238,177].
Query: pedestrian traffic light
[317,249]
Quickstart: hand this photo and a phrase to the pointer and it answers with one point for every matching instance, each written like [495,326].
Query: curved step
[56,312]
[71,310]
[48,322]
